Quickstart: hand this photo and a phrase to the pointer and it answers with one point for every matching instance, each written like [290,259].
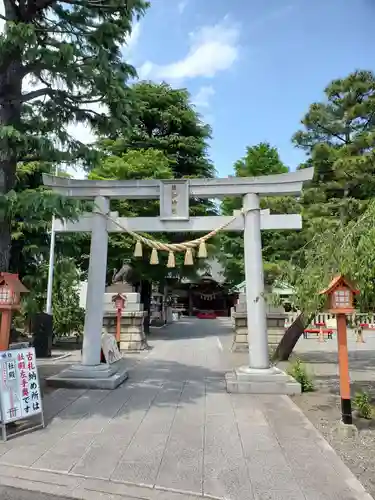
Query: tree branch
[61,94]
[89,3]
[37,93]
[328,131]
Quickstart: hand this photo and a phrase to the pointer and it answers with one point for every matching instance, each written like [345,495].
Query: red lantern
[119,302]
[10,299]
[340,294]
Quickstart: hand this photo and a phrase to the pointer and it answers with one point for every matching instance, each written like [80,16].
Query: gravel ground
[322,407]
[358,453]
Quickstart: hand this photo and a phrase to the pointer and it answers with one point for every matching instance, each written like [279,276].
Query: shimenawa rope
[186,246]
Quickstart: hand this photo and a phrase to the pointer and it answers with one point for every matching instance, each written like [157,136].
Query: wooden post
[6,319]
[119,303]
[340,297]
[342,344]
[118,327]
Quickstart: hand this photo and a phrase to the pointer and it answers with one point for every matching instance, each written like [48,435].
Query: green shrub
[362,403]
[297,370]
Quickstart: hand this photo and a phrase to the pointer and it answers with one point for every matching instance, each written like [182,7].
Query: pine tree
[339,138]
[58,62]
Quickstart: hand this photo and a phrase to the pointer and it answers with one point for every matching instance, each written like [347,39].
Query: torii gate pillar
[258,377]
[256,308]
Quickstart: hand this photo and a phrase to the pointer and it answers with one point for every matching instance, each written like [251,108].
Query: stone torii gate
[174,197]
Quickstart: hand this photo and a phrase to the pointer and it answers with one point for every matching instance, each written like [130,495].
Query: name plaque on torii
[174,199]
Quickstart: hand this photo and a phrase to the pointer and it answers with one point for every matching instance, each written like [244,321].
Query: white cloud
[212,49]
[181,6]
[145,70]
[202,98]
[132,39]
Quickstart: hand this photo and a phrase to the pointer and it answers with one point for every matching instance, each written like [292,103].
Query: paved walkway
[173,433]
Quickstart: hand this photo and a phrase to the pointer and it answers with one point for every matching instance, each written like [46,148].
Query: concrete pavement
[7,493]
[173,433]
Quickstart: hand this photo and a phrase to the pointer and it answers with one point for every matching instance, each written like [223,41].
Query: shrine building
[208,292]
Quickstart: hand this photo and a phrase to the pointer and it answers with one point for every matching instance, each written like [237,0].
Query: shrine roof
[338,280]
[213,272]
[13,282]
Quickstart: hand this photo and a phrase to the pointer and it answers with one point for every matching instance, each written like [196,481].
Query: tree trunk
[146,292]
[5,241]
[290,339]
[10,116]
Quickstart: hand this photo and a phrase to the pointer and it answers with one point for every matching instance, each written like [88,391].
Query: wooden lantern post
[10,300]
[119,303]
[340,294]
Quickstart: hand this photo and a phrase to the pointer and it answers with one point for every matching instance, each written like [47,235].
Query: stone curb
[352,483]
[86,488]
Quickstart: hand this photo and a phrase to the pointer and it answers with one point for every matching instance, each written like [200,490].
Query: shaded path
[173,428]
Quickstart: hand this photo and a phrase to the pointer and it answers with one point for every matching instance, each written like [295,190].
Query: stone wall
[275,330]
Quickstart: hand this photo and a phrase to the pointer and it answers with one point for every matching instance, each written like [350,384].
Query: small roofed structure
[10,291]
[340,295]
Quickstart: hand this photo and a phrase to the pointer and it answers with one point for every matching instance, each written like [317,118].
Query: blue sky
[253,67]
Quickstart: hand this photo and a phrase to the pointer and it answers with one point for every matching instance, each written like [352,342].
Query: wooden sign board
[110,348]
[20,394]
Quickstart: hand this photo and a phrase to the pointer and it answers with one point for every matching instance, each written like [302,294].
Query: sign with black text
[20,394]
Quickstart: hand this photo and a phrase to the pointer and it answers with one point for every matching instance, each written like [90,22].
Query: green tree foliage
[58,60]
[164,119]
[32,210]
[339,139]
[347,250]
[68,316]
[261,159]
[168,140]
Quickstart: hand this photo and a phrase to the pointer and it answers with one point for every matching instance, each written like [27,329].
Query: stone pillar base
[101,376]
[247,380]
